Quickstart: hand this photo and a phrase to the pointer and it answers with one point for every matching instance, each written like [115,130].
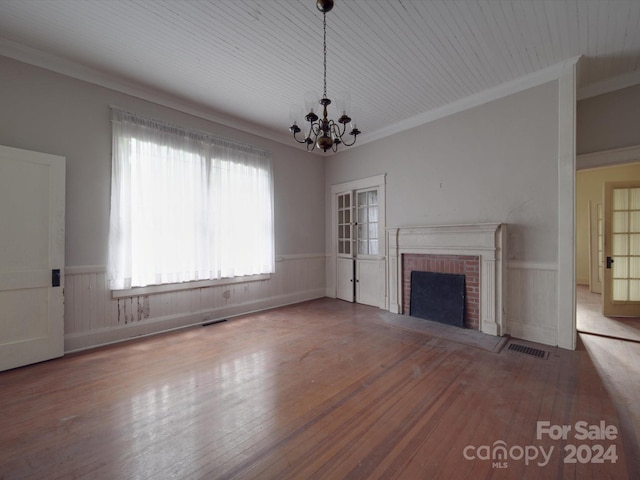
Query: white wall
[497,162]
[48,112]
[608,121]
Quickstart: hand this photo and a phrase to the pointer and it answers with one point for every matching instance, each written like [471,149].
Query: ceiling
[246,63]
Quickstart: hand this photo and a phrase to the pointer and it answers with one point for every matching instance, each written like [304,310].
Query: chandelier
[324,132]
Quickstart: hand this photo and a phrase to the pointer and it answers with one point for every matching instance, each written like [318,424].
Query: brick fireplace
[475,250]
[467,265]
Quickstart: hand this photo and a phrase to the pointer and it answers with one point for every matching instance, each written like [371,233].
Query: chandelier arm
[296,139]
[349,144]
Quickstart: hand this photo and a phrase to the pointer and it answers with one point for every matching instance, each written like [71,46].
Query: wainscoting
[92,317]
[532,301]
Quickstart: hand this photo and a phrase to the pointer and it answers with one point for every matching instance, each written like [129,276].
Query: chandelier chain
[324,23]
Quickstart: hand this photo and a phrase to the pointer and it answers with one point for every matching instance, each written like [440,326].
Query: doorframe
[376,181]
[606,158]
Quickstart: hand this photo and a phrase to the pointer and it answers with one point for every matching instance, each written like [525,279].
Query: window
[186,206]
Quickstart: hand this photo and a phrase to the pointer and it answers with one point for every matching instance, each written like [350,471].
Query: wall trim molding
[38,58]
[526,265]
[608,85]
[607,158]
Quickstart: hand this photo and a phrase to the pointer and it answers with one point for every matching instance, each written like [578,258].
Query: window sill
[174,287]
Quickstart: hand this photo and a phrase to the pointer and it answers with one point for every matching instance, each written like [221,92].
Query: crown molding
[534,79]
[32,56]
[609,85]
[608,158]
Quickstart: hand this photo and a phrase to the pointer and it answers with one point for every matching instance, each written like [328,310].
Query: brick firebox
[466,265]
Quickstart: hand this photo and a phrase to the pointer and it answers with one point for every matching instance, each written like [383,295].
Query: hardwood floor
[324,389]
[589,318]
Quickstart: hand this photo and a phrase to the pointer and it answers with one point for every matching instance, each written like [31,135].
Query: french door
[359,276]
[621,249]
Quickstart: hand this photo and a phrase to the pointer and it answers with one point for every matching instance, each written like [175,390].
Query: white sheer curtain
[186,206]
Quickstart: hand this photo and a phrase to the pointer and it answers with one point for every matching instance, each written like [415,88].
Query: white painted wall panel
[93,317]
[532,302]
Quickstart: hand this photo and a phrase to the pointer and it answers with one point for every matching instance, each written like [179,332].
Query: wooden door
[32,200]
[621,292]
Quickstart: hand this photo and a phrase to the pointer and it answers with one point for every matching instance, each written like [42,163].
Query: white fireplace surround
[484,240]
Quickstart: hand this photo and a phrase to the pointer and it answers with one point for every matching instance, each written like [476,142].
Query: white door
[32,196]
[621,249]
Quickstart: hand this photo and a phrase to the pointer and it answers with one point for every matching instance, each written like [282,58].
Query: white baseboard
[534,333]
[106,336]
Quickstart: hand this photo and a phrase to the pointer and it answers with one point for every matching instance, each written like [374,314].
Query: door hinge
[609,262]
[55,277]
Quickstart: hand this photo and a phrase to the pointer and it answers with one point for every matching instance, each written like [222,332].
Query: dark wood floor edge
[613,337]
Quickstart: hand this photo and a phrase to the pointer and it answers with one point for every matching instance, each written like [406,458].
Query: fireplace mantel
[485,240]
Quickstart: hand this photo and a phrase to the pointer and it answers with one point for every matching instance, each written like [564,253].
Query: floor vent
[213,322]
[534,352]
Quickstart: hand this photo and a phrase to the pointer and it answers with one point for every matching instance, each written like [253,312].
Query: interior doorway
[607,230]
[358,238]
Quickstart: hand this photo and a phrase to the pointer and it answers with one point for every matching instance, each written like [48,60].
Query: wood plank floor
[321,389]
[589,318]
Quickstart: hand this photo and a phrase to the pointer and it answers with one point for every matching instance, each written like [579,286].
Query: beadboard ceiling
[245,63]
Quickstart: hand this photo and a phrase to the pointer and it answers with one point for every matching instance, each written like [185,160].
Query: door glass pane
[362,199]
[373,231]
[620,267]
[620,199]
[634,218]
[634,198]
[373,197]
[634,244]
[634,267]
[620,223]
[634,290]
[620,290]
[373,214]
[620,244]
